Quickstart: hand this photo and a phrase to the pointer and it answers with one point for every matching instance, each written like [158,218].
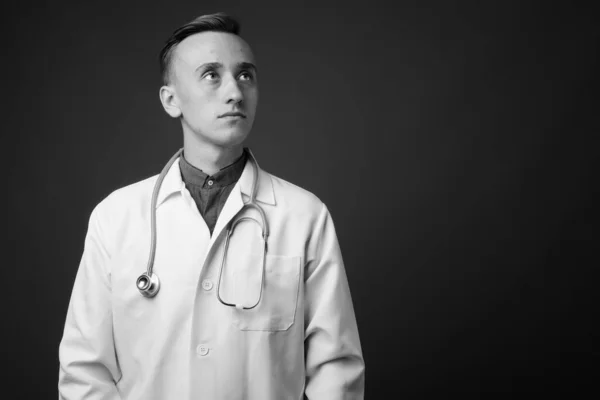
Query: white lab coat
[301,341]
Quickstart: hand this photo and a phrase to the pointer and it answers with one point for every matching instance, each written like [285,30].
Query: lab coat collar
[174,183]
[265,193]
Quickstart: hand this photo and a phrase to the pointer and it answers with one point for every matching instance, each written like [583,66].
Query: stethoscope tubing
[157,186]
[148,283]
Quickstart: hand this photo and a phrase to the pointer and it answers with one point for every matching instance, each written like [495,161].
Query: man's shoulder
[294,197]
[135,194]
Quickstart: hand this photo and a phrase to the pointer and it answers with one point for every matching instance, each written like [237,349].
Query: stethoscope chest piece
[148,285]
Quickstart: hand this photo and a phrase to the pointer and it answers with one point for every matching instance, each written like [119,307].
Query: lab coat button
[210,183]
[202,349]
[207,285]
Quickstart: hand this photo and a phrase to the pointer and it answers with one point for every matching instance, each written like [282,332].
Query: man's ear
[168,98]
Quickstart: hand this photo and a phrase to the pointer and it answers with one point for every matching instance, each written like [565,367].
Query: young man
[262,311]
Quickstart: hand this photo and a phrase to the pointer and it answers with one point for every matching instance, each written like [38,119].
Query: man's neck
[208,157]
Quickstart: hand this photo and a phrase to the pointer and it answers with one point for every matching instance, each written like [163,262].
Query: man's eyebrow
[218,65]
[210,65]
[247,65]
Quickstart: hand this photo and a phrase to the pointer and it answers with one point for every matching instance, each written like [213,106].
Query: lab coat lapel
[231,207]
[234,203]
[241,193]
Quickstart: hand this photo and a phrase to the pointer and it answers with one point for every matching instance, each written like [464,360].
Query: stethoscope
[148,283]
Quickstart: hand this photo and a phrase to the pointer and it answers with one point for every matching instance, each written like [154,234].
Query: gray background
[453,144]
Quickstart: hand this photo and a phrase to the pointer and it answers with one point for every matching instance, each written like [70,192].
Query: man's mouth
[232,114]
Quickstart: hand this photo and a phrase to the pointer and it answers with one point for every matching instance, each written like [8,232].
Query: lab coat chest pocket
[276,310]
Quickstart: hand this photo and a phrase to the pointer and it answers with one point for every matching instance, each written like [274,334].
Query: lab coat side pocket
[276,310]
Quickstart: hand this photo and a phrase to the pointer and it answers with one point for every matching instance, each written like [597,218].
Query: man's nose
[233,94]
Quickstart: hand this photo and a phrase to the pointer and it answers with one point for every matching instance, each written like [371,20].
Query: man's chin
[225,137]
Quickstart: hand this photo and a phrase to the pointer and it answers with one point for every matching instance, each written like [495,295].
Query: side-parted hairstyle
[218,22]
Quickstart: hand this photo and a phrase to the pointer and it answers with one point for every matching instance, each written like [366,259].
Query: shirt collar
[224,177]
[174,183]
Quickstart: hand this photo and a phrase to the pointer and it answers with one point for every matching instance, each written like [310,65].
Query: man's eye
[246,76]
[211,75]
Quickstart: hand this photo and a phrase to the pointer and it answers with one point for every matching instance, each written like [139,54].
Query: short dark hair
[218,22]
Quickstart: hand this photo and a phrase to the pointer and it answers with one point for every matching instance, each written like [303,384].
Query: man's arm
[88,364]
[334,363]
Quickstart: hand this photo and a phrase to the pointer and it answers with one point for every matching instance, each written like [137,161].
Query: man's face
[212,74]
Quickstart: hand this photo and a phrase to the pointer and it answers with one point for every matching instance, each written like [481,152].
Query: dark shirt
[211,191]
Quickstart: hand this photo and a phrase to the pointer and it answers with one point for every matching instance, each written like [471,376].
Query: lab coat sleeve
[88,363]
[334,362]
